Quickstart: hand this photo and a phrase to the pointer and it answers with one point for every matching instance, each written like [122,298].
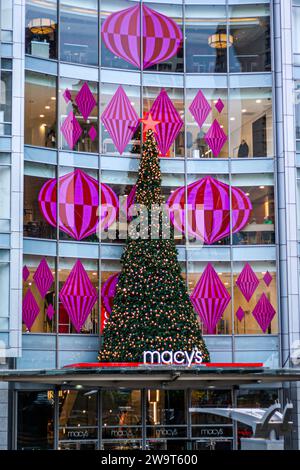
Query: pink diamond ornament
[215,138]
[163,110]
[247,282]
[92,133]
[71,130]
[108,292]
[120,119]
[50,311]
[264,312]
[25,273]
[240,314]
[85,101]
[67,95]
[200,108]
[30,309]
[78,296]
[267,278]
[219,105]
[43,278]
[210,298]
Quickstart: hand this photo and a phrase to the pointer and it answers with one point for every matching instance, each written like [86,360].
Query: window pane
[121,408]
[45,321]
[4,289]
[251,123]
[79,115]
[77,415]
[5,98]
[249,30]
[296,26]
[35,420]
[79,44]
[6,14]
[35,223]
[5,193]
[206,38]
[41,28]
[297,109]
[40,105]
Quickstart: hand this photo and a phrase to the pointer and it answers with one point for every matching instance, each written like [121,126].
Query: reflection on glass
[165,408]
[79,44]
[249,26]
[206,39]
[41,28]
[251,123]
[40,105]
[5,101]
[44,322]
[35,225]
[35,420]
[210,399]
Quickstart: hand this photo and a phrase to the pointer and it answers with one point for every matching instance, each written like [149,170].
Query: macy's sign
[186,358]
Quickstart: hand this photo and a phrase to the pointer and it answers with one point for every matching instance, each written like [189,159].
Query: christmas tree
[152,310]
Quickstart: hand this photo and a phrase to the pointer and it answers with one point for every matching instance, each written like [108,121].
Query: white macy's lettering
[171,357]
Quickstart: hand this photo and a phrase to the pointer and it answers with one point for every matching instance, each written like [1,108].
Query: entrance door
[213,444]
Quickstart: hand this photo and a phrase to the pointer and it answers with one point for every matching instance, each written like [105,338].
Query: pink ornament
[247,282]
[267,278]
[78,296]
[219,105]
[108,292]
[240,314]
[170,124]
[30,310]
[215,138]
[71,130]
[210,298]
[121,33]
[200,108]
[25,273]
[208,206]
[92,133]
[264,313]
[120,119]
[78,204]
[50,311]
[43,278]
[85,101]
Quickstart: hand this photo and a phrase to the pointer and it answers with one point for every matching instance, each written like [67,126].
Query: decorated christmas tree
[152,310]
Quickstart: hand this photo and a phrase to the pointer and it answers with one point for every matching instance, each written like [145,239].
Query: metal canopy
[177,377]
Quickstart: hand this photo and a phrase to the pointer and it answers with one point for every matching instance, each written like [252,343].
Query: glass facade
[225,62]
[133,419]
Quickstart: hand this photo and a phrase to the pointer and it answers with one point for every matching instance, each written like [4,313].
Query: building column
[286,185]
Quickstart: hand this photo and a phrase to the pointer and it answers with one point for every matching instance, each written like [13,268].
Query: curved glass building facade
[218,66]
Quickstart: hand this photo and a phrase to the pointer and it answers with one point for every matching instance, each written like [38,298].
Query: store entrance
[213,444]
[77,445]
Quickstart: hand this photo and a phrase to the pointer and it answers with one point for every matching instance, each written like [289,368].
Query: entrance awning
[154,376]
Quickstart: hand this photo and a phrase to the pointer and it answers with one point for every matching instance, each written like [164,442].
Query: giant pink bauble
[121,33]
[208,210]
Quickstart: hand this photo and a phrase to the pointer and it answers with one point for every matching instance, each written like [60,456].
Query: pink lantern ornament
[210,298]
[50,311]
[208,206]
[108,292]
[30,309]
[264,312]
[25,273]
[200,108]
[78,204]
[121,33]
[247,282]
[120,119]
[170,124]
[43,278]
[215,138]
[78,296]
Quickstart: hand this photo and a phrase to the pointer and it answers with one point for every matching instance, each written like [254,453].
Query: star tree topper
[150,124]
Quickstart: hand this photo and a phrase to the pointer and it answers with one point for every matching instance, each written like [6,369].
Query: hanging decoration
[120,119]
[50,311]
[170,122]
[30,309]
[121,33]
[200,108]
[78,204]
[25,273]
[208,205]
[219,105]
[264,312]
[108,292]
[43,278]
[215,138]
[210,298]
[78,296]
[85,101]
[240,314]
[267,278]
[71,130]
[247,282]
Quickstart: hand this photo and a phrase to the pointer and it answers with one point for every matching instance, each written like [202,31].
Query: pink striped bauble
[208,210]
[121,33]
[79,209]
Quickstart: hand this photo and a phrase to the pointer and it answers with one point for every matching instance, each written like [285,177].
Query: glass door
[213,444]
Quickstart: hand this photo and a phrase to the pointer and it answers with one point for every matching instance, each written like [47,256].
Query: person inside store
[243,151]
